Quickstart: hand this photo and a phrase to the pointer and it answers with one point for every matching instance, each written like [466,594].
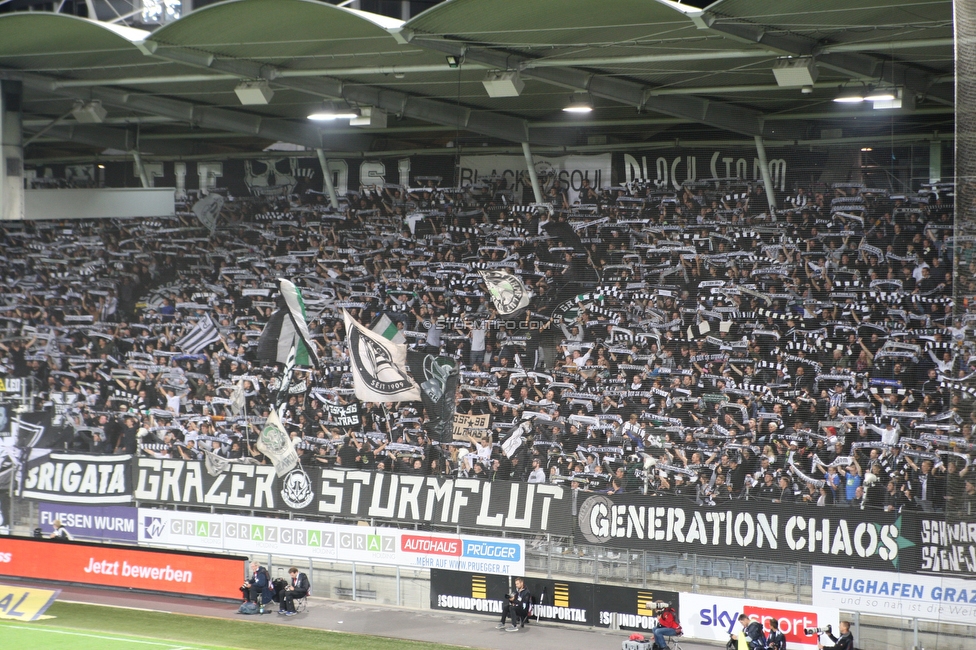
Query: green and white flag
[386,328]
[287,327]
[275,443]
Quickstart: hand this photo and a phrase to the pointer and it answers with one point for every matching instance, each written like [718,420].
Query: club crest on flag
[378,366]
[508,293]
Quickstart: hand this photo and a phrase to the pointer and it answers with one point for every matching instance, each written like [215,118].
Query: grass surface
[90,627]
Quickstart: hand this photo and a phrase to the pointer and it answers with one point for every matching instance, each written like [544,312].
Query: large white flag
[276,444]
[378,366]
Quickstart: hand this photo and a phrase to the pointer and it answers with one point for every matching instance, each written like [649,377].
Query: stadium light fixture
[330,112]
[580,103]
[850,96]
[503,83]
[454,61]
[89,112]
[254,92]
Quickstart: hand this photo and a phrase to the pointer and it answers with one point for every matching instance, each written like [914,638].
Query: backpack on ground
[248,608]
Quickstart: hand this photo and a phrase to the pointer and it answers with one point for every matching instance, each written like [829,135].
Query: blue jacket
[262,579]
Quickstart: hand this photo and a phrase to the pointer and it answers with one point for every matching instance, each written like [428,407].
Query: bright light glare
[578,108]
[328,117]
[880,96]
[849,99]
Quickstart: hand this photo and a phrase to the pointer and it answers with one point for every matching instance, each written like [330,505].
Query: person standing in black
[348,453]
[844,642]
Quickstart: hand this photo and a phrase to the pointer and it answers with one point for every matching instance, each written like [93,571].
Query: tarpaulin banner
[366,544]
[564,601]
[108,523]
[570,171]
[469,503]
[715,618]
[25,603]
[869,539]
[78,478]
[947,548]
[933,598]
[344,415]
[120,566]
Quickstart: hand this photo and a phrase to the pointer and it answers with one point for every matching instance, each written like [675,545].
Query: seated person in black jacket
[517,606]
[845,642]
[297,587]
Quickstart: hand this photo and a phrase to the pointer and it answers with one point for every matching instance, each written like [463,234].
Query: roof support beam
[120,139]
[491,124]
[720,115]
[204,116]
[859,66]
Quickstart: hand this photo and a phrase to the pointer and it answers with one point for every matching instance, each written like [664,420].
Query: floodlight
[580,103]
[503,83]
[330,112]
[795,72]
[850,96]
[254,92]
[89,112]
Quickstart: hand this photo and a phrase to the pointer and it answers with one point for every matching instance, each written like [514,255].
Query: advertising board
[107,523]
[934,598]
[120,566]
[715,618]
[304,539]
[563,601]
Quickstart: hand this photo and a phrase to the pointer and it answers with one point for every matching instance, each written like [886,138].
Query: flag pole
[283,386]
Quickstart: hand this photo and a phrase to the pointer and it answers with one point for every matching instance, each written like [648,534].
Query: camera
[813,631]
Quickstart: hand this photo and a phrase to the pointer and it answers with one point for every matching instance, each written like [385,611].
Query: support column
[764,168]
[935,161]
[327,175]
[11,152]
[140,170]
[536,189]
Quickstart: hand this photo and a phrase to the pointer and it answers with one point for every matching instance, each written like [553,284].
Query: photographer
[776,640]
[517,607]
[845,642]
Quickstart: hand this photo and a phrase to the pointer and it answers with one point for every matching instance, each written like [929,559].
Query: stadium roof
[653,69]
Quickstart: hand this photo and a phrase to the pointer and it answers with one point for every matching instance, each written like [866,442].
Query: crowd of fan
[677,342]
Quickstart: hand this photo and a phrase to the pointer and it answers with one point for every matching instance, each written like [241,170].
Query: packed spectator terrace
[677,342]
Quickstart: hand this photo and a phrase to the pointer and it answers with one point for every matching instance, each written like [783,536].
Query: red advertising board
[119,566]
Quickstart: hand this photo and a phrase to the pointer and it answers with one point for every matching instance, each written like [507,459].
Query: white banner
[948,600]
[306,539]
[569,170]
[715,617]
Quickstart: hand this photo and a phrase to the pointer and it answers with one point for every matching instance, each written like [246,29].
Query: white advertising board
[323,541]
[715,617]
[902,595]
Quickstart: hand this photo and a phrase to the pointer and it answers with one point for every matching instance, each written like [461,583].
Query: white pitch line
[137,609]
[95,636]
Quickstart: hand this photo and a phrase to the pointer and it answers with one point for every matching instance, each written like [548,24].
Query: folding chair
[301,604]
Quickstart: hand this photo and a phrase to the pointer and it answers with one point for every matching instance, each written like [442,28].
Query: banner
[847,537]
[301,539]
[120,566]
[438,379]
[344,415]
[947,600]
[78,478]
[947,547]
[563,601]
[715,617]
[570,171]
[25,603]
[107,523]
[408,499]
[11,384]
[464,423]
[669,169]
[378,366]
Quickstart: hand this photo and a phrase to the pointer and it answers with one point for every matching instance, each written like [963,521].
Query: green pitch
[89,627]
